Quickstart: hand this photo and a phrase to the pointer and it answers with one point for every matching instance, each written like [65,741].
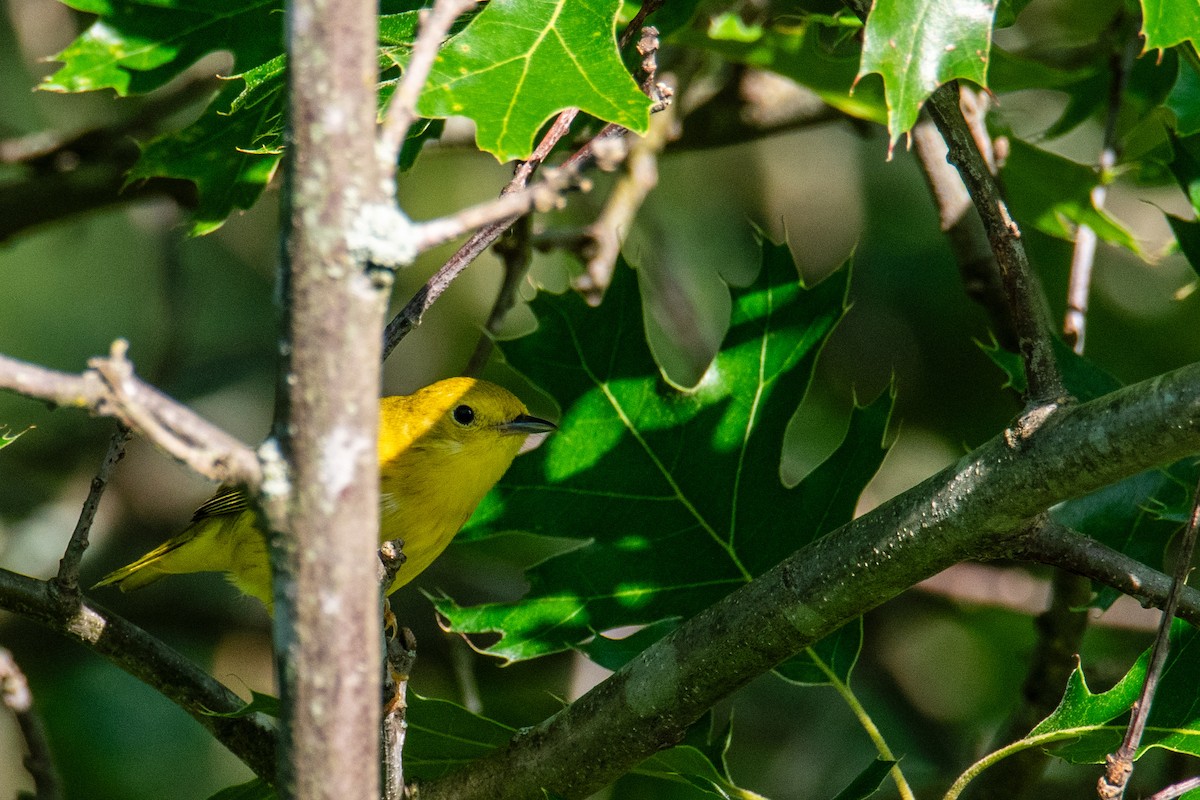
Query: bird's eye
[464,415]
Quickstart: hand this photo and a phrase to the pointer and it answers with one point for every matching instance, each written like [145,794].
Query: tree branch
[146,658]
[1031,317]
[110,389]
[986,503]
[323,511]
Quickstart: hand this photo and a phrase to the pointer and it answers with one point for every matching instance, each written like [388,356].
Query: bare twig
[639,177]
[1119,765]
[515,251]
[66,582]
[110,389]
[542,196]
[15,694]
[402,110]
[181,681]
[399,650]
[1178,790]
[1084,256]
[1030,315]
[401,658]
[963,227]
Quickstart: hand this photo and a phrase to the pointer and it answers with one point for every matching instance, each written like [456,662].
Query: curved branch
[108,388]
[987,503]
[150,661]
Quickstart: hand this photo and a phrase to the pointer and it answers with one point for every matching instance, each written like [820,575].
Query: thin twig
[1177,790]
[1056,545]
[110,389]
[638,178]
[66,582]
[515,251]
[1084,255]
[412,313]
[962,226]
[542,196]
[1119,765]
[397,664]
[16,696]
[402,110]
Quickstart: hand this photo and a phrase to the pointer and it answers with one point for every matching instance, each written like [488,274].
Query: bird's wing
[227,500]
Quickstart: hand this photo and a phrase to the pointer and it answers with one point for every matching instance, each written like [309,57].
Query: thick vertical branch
[325,507]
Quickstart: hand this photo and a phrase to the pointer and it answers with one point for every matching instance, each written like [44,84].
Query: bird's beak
[524,424]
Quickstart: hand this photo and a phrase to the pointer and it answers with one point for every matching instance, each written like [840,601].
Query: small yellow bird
[441,449]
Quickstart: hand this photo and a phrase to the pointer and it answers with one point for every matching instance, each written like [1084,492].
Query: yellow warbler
[441,449]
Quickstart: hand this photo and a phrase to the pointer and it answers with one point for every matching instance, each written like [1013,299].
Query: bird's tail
[143,572]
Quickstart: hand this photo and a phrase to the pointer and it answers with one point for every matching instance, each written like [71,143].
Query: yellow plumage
[441,449]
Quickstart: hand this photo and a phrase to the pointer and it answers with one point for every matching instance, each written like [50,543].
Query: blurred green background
[938,672]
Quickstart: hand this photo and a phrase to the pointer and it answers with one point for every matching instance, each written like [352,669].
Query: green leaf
[917,45]
[1166,23]
[1053,194]
[257,789]
[1184,99]
[139,45]
[519,63]
[1174,721]
[231,157]
[684,764]
[443,736]
[868,781]
[660,486]
[817,55]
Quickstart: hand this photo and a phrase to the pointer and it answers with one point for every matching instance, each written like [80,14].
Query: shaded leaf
[917,45]
[1184,99]
[665,488]
[868,781]
[817,55]
[519,63]
[830,659]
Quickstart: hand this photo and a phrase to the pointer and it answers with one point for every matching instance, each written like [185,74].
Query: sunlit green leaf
[519,63]
[917,45]
[139,45]
[664,488]
[1166,23]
